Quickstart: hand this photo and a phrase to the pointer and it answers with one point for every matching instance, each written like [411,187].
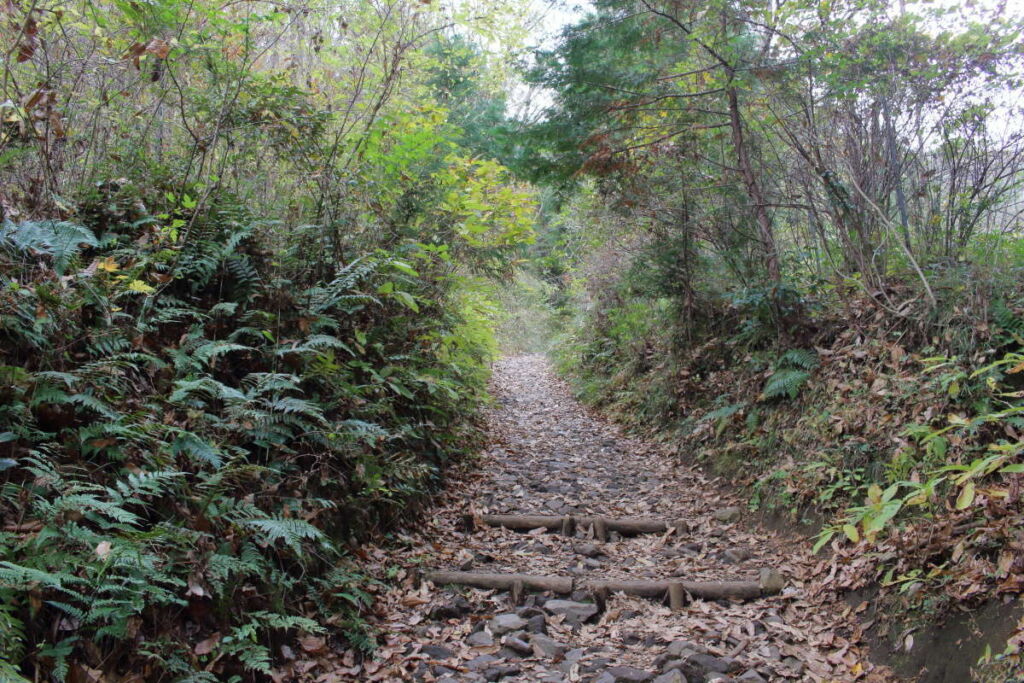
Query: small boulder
[437,652]
[697,666]
[537,624]
[752,677]
[455,609]
[728,515]
[673,676]
[506,623]
[677,647]
[517,643]
[480,639]
[736,555]
[575,612]
[500,671]
[480,663]
[528,612]
[543,646]
[586,550]
[627,674]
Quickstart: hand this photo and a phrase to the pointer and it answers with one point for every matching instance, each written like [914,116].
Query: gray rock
[752,677]
[437,651]
[736,555]
[697,666]
[594,665]
[586,549]
[715,677]
[677,647]
[537,624]
[794,665]
[628,674]
[457,608]
[575,612]
[481,662]
[480,639]
[506,623]
[543,646]
[500,671]
[728,515]
[591,563]
[771,581]
[673,676]
[518,644]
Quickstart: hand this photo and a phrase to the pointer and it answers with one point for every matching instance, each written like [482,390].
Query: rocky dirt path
[548,455]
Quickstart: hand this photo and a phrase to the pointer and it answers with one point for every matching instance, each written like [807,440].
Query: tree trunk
[765,229]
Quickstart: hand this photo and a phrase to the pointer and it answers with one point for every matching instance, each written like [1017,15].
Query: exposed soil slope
[548,455]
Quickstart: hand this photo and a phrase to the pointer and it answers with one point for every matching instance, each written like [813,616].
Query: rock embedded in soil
[728,515]
[625,674]
[736,555]
[517,643]
[457,608]
[677,647]
[506,623]
[543,646]
[437,652]
[481,662]
[537,624]
[673,676]
[480,639]
[752,677]
[697,666]
[575,612]
[500,671]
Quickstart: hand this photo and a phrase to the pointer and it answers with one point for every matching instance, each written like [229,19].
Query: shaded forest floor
[548,455]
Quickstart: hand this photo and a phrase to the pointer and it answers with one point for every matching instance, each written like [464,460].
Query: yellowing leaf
[966,496]
[108,264]
[851,532]
[140,287]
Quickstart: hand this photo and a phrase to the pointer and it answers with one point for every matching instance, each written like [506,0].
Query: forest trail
[547,455]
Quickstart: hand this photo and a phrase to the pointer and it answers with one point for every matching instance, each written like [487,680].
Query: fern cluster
[791,371]
[195,434]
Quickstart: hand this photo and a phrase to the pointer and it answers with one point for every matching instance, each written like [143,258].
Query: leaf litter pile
[549,456]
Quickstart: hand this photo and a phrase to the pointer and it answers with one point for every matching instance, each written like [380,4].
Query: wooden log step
[674,592]
[562,585]
[627,526]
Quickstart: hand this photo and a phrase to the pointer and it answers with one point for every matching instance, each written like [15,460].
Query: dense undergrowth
[895,439]
[246,317]
[789,243]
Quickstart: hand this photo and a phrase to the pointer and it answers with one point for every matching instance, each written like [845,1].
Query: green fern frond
[785,382]
[208,353]
[798,358]
[58,239]
[724,412]
[291,531]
